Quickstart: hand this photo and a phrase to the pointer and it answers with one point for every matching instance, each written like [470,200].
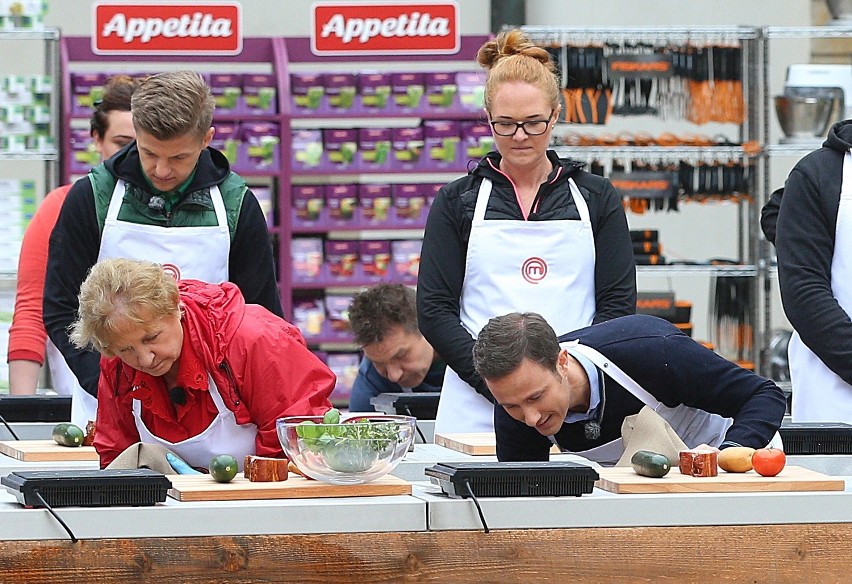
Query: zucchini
[650,464]
[66,434]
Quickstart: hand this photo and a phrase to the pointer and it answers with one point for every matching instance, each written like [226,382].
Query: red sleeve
[115,429]
[281,377]
[27,336]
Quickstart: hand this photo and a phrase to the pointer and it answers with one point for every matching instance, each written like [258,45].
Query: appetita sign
[141,28]
[389,29]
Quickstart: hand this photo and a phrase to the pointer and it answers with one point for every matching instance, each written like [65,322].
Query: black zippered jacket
[804,238]
[670,366]
[76,241]
[442,260]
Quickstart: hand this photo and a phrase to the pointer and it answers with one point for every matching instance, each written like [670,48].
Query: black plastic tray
[816,438]
[88,488]
[514,479]
[423,405]
[35,408]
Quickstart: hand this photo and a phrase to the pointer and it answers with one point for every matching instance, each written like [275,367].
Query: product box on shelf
[337,312]
[341,202]
[471,90]
[441,91]
[409,203]
[17,15]
[226,139]
[307,259]
[345,367]
[340,146]
[341,258]
[308,203]
[431,190]
[477,140]
[83,153]
[407,91]
[374,90]
[374,146]
[441,145]
[340,90]
[306,92]
[407,148]
[375,203]
[259,94]
[41,141]
[309,316]
[405,257]
[263,194]
[307,149]
[12,113]
[375,259]
[86,89]
[227,90]
[260,146]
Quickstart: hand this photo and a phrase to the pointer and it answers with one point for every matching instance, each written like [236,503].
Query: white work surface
[184,519]
[605,509]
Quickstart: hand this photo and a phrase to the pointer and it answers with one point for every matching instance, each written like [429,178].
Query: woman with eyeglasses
[523,231]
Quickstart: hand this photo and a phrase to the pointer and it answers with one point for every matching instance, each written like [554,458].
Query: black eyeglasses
[530,127]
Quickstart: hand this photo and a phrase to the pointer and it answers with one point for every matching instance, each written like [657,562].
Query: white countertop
[605,509]
[183,519]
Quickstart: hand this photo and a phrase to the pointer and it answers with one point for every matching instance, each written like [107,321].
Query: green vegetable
[332,416]
[223,468]
[348,447]
[650,464]
[66,434]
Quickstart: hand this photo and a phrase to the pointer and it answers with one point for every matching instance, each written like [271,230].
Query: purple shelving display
[263,122]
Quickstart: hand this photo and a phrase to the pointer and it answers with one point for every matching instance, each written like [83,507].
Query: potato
[736,459]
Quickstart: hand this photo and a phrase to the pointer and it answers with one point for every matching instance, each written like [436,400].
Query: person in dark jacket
[524,230]
[576,390]
[396,356]
[813,242]
[167,198]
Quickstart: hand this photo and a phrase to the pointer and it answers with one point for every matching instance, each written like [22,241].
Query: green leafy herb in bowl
[355,450]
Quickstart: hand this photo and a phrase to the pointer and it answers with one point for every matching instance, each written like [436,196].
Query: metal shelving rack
[748,39]
[50,36]
[767,272]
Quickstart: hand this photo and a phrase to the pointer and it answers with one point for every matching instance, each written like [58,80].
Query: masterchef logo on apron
[534,269]
[172,270]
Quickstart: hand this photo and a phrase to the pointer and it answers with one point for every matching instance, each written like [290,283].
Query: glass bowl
[358,450]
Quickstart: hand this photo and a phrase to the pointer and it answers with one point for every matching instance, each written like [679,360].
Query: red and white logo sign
[385,29]
[142,28]
[172,270]
[534,270]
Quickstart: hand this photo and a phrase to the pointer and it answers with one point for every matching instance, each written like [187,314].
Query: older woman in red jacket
[191,366]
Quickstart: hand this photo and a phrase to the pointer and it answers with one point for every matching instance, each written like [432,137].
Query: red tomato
[768,462]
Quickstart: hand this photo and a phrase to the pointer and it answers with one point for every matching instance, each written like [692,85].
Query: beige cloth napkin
[141,455]
[647,430]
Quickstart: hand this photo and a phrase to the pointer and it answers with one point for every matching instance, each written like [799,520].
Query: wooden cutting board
[473,443]
[623,479]
[204,488]
[45,451]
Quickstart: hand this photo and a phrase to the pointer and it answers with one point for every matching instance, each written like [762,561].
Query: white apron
[694,426]
[222,436]
[83,405]
[519,266]
[819,394]
[200,253]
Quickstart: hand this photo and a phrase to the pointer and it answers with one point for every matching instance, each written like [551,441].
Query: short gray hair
[118,290]
[171,105]
[509,339]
